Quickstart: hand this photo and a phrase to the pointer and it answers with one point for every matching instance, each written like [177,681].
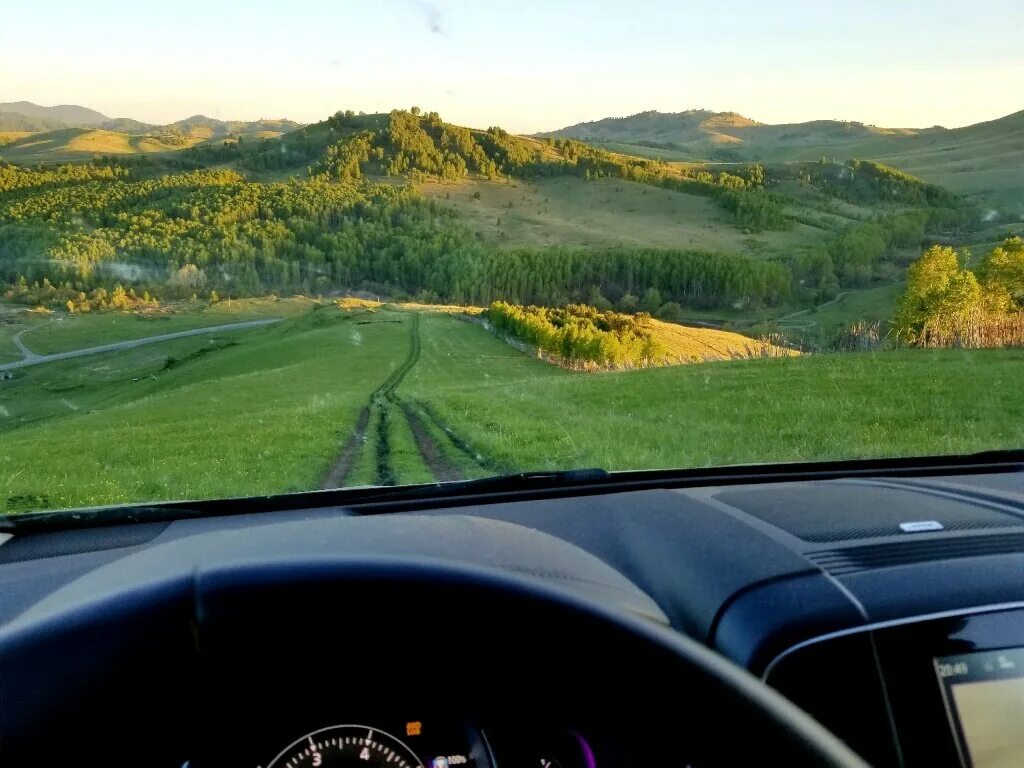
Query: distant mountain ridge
[730,135]
[985,158]
[85,132]
[12,121]
[701,131]
[68,114]
[26,116]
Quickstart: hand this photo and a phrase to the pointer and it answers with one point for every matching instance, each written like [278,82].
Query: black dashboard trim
[888,624]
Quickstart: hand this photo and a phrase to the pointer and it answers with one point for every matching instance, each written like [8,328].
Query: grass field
[518,414]
[6,137]
[699,345]
[654,153]
[404,396]
[254,411]
[78,144]
[603,213]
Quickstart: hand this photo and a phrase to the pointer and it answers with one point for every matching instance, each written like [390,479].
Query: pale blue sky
[529,66]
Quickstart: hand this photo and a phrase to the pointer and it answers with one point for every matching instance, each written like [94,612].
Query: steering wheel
[160,658]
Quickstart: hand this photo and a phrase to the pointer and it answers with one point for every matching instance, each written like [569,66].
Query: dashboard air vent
[43,545]
[840,562]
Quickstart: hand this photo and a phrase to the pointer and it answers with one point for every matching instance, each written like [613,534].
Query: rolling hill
[52,141]
[729,135]
[986,159]
[126,125]
[71,144]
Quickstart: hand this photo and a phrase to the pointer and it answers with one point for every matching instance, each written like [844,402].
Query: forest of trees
[79,233]
[580,336]
[867,181]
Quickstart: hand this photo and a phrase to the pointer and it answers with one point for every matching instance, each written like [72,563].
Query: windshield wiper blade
[522,481]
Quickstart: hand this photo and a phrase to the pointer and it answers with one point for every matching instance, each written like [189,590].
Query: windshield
[277,248]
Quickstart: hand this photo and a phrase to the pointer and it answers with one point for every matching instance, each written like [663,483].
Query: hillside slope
[986,159]
[175,420]
[12,121]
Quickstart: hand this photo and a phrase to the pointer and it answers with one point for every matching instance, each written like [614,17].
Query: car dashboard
[887,606]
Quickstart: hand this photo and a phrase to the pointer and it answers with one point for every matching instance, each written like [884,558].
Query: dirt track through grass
[384,407]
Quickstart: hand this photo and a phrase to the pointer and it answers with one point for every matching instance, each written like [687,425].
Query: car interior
[843,613]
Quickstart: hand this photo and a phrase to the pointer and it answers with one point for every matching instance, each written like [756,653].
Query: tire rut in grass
[440,467]
[391,406]
[458,443]
[342,466]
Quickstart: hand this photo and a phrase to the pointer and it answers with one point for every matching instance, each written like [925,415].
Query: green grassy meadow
[255,411]
[522,413]
[46,334]
[274,409]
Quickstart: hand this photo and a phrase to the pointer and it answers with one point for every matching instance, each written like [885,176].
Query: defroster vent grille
[840,562]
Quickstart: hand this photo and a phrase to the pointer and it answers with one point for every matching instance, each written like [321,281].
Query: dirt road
[31,358]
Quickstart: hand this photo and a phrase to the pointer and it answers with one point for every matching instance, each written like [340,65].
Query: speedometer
[355,746]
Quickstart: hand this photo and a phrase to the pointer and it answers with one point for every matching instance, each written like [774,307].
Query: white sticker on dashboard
[921,525]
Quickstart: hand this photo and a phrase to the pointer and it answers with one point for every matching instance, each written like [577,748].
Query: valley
[823,229]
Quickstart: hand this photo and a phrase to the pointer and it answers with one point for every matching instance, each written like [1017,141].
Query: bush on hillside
[581,336]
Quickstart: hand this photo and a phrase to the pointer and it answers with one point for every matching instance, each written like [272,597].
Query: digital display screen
[984,696]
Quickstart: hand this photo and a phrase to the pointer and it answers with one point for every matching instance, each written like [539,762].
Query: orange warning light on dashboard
[414,728]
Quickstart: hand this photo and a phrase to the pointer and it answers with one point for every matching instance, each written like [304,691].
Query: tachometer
[347,745]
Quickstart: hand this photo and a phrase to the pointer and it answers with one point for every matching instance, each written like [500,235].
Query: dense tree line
[579,335]
[560,276]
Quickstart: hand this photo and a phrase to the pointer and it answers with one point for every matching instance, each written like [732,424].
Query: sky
[527,66]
